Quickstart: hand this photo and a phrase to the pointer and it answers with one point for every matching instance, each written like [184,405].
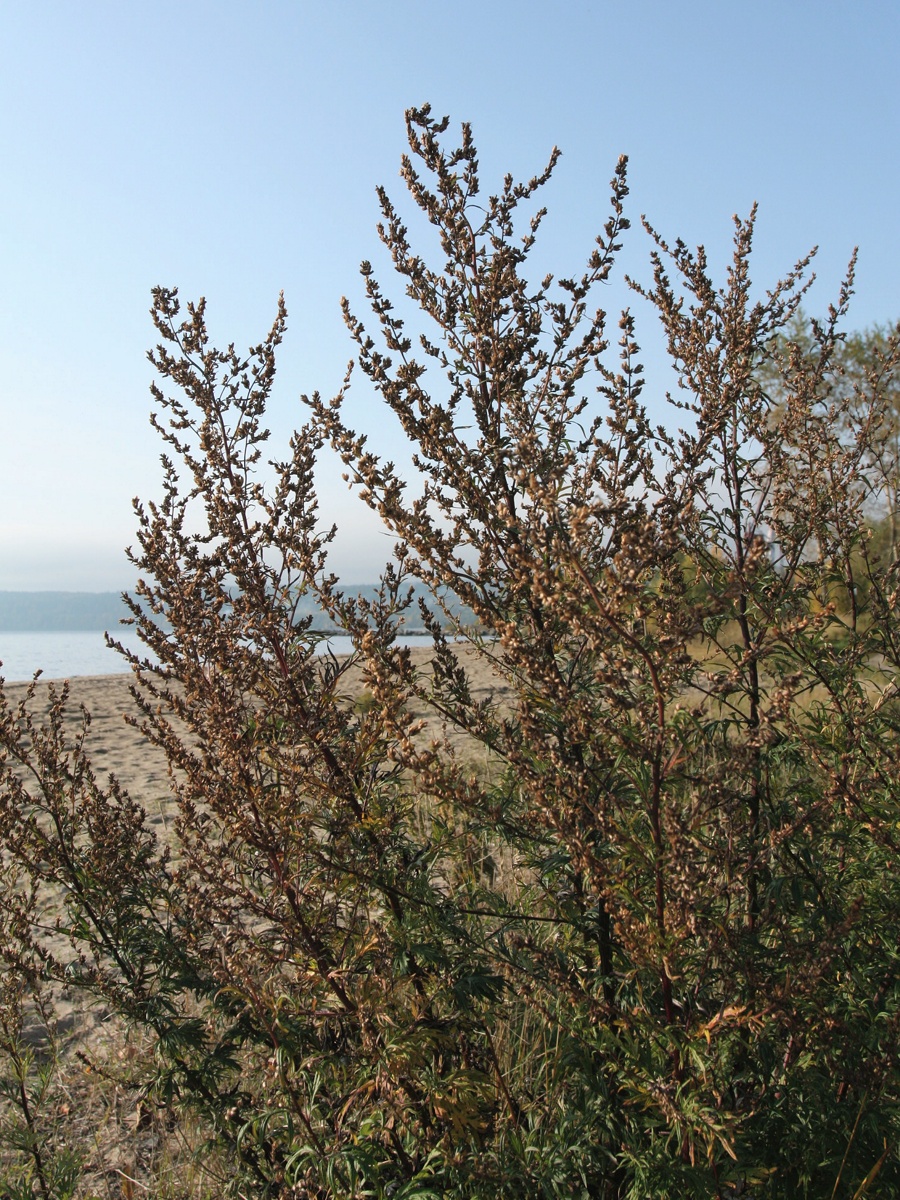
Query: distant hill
[36,612]
[412,619]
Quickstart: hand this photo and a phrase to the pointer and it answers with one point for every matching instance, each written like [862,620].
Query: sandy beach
[118,748]
[114,746]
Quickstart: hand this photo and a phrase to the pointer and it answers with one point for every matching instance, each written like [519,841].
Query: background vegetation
[643,941]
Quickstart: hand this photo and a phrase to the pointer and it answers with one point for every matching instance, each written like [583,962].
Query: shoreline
[116,747]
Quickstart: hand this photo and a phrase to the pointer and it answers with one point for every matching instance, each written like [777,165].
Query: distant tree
[862,372]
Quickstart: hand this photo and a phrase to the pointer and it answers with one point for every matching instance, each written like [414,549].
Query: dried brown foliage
[648,947]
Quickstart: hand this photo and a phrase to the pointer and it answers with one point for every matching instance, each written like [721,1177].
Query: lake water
[63,655]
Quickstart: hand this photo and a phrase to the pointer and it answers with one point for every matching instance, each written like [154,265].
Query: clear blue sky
[232,150]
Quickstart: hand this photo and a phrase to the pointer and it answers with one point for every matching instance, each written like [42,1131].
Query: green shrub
[650,949]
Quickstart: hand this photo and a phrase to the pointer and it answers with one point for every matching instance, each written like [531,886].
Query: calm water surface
[61,655]
[66,654]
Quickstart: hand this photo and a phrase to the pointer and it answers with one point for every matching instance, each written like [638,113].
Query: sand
[118,748]
[114,746]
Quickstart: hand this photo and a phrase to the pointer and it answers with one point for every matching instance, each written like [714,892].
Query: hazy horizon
[234,152]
